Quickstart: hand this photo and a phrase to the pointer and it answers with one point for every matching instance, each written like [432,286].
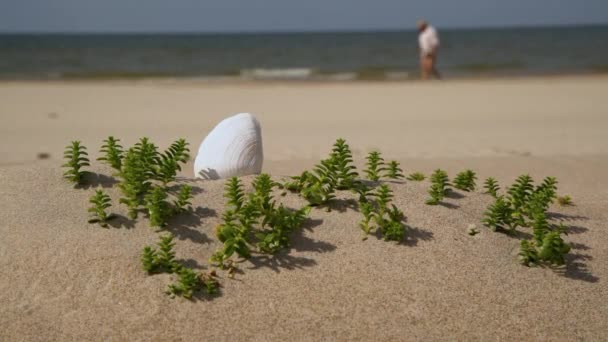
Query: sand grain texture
[64,279]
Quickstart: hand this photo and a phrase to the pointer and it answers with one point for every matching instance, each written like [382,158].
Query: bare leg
[433,68]
[426,67]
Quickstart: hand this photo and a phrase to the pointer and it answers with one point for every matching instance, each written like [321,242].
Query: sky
[287,15]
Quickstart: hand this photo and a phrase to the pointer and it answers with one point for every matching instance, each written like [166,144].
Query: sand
[64,279]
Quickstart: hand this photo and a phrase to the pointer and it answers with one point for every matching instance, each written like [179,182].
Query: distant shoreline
[286,81]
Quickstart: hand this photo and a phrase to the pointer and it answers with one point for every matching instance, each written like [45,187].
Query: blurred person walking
[428,40]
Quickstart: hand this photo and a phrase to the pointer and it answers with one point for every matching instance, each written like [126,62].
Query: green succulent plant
[416,176]
[499,215]
[547,247]
[165,257]
[564,200]
[491,186]
[168,163]
[465,180]
[297,183]
[377,215]
[149,260]
[342,159]
[235,237]
[158,207]
[101,201]
[76,158]
[112,153]
[281,223]
[528,255]
[148,154]
[262,195]
[439,187]
[374,166]
[182,203]
[368,211]
[317,187]
[187,282]
[393,171]
[161,260]
[234,193]
[209,283]
[135,181]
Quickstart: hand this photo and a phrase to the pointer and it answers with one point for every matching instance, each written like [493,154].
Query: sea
[315,56]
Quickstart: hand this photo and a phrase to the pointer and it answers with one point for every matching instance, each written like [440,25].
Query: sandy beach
[64,279]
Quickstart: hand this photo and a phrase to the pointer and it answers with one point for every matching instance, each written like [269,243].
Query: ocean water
[338,56]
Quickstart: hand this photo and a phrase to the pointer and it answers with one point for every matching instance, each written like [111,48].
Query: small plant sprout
[491,187]
[472,230]
[375,166]
[416,176]
[281,223]
[135,181]
[465,180]
[182,203]
[168,162]
[342,158]
[547,245]
[500,215]
[101,201]
[234,193]
[439,187]
[157,206]
[187,282]
[377,215]
[165,257]
[209,283]
[317,187]
[262,195]
[149,260]
[76,156]
[161,260]
[234,236]
[367,224]
[393,171]
[112,153]
[564,200]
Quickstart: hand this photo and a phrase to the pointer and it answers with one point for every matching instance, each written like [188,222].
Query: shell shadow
[209,174]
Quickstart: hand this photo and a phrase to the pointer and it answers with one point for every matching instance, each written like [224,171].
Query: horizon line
[300,31]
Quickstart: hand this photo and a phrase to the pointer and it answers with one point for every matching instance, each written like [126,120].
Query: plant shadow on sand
[448,205]
[96,180]
[191,263]
[576,268]
[300,243]
[120,221]
[183,226]
[565,217]
[175,188]
[342,205]
[454,194]
[414,234]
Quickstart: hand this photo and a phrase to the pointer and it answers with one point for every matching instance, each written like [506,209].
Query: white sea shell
[232,148]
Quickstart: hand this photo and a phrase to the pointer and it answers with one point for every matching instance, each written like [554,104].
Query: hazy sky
[273,15]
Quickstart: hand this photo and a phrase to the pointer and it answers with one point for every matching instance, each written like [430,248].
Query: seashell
[232,148]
